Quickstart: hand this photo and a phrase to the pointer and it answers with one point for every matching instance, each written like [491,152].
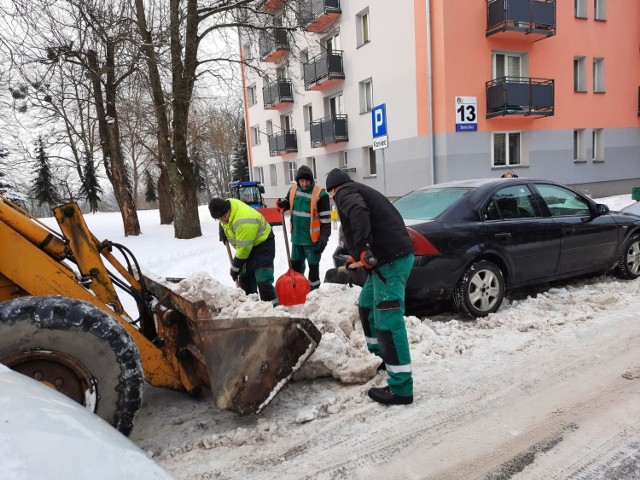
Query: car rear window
[428,204]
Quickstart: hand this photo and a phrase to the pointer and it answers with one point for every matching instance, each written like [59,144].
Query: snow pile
[342,352]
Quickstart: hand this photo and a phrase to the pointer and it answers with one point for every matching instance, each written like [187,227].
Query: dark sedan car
[476,239]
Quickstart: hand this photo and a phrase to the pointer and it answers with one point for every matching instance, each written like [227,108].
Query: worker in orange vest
[310,223]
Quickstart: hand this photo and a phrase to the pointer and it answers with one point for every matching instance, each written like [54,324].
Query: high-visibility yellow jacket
[245,229]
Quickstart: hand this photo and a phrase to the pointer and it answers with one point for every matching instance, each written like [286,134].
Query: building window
[304,58]
[598,75]
[255,135]
[336,105]
[293,167]
[580,8]
[273,171]
[507,65]
[597,145]
[312,164]
[373,167]
[366,96]
[600,9]
[246,52]
[307,113]
[579,74]
[578,145]
[258,174]
[362,30]
[252,95]
[506,149]
[344,160]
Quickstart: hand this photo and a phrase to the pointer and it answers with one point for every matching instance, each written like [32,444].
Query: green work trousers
[259,281]
[308,253]
[381,307]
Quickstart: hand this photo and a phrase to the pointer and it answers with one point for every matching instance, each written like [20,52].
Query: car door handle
[503,236]
[568,231]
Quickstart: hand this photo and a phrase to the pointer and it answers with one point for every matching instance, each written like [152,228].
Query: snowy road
[548,387]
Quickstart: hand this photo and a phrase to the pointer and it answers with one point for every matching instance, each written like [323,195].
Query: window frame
[258,174]
[363,28]
[273,171]
[599,75]
[307,115]
[600,10]
[252,94]
[579,74]
[507,149]
[579,145]
[255,135]
[372,164]
[597,145]
[366,95]
[580,8]
[291,170]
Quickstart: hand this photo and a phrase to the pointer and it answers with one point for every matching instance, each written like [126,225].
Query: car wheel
[480,290]
[78,349]
[629,262]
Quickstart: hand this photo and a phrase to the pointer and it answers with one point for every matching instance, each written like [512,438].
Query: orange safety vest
[314,221]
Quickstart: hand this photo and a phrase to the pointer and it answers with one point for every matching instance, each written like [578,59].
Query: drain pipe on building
[432,147]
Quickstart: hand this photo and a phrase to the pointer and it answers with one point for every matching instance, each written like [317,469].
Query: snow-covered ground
[547,387]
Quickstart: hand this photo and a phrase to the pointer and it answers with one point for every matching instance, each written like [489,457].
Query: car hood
[45,434]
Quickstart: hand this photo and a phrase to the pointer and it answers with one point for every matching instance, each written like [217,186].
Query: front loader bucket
[251,359]
[247,360]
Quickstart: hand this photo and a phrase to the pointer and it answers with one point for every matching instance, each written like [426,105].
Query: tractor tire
[78,349]
[480,290]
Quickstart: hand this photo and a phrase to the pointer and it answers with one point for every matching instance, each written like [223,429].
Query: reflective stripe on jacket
[305,214]
[245,229]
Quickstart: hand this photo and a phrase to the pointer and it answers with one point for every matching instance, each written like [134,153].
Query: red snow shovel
[292,287]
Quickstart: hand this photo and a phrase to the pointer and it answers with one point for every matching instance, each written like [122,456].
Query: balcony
[282,143]
[318,15]
[332,129]
[277,94]
[518,19]
[520,96]
[269,6]
[273,44]
[323,70]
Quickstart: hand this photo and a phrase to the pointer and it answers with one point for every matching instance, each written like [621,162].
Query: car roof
[481,182]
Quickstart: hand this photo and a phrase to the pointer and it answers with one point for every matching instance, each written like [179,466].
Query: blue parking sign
[379,120]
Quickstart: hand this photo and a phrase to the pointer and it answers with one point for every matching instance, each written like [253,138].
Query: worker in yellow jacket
[250,235]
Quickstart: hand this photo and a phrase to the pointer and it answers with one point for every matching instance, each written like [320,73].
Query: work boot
[387,397]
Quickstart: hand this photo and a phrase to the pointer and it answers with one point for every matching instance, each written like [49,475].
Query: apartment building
[471,88]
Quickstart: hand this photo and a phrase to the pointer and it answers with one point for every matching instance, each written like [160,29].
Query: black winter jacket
[369,220]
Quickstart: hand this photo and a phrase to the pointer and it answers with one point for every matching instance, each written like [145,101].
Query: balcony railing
[283,142]
[537,17]
[269,6]
[278,93]
[273,44]
[520,96]
[323,70]
[318,15]
[332,129]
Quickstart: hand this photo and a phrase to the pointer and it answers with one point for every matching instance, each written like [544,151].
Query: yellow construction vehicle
[62,323]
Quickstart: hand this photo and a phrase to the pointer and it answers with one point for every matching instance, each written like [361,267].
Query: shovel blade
[250,359]
[292,288]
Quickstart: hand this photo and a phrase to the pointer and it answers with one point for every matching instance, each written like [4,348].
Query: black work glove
[321,245]
[368,260]
[236,267]
[282,204]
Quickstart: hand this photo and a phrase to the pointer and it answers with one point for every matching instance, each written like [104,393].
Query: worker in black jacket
[377,237]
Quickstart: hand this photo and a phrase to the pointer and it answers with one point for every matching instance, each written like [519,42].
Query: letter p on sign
[379,120]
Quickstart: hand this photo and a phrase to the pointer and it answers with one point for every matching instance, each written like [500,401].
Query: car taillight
[421,244]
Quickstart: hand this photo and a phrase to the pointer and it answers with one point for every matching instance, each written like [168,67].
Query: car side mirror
[261,189]
[601,209]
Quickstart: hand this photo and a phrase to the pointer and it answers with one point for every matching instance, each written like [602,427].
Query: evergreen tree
[150,188]
[43,189]
[90,185]
[240,163]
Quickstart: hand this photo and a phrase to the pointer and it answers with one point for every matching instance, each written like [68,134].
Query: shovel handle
[286,240]
[226,244]
[352,266]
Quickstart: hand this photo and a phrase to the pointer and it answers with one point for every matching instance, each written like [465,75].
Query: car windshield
[427,204]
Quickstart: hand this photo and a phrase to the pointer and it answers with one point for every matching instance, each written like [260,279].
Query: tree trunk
[110,141]
[165,198]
